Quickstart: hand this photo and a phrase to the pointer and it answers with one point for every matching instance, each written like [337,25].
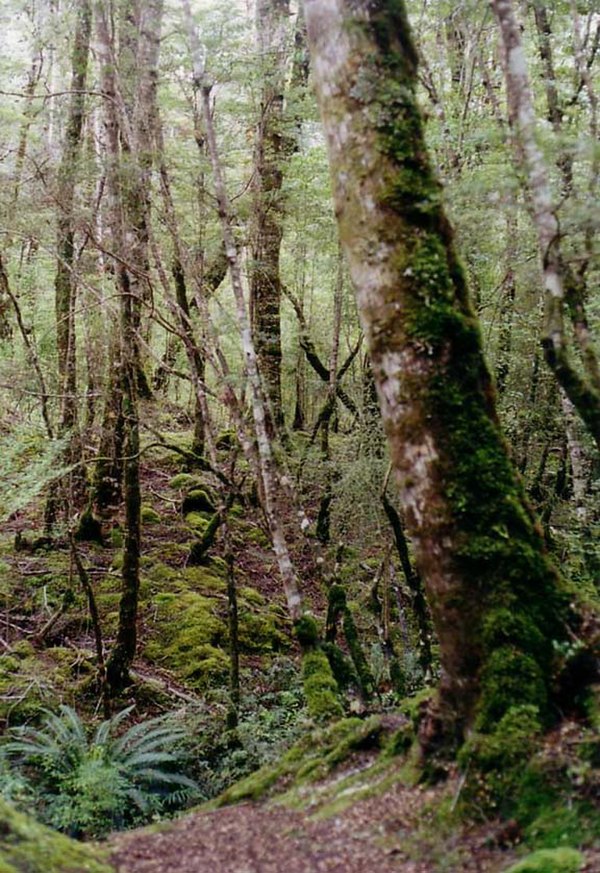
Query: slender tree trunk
[268,472]
[561,288]
[272,18]
[65,285]
[496,601]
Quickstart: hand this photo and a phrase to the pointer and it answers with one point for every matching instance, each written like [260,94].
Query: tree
[496,600]
[265,282]
[563,288]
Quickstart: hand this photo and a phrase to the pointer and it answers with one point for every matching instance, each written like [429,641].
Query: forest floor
[394,832]
[361,817]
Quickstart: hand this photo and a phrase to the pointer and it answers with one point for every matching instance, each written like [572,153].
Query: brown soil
[372,835]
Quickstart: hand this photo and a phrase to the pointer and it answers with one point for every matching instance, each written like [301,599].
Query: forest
[300,436]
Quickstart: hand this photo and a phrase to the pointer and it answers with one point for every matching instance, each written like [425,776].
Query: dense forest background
[208,552]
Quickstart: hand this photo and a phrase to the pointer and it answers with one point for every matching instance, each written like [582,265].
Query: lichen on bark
[496,600]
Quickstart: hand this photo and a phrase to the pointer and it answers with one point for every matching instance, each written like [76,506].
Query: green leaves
[90,786]
[28,464]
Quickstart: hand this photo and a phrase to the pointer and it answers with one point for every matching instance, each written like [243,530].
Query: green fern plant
[88,786]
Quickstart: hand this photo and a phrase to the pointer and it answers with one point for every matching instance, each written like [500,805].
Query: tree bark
[561,288]
[265,282]
[496,600]
[64,283]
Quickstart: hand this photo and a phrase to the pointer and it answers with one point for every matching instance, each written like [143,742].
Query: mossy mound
[312,758]
[563,860]
[28,847]
[185,482]
[188,631]
[149,515]
[198,522]
[30,683]
[198,500]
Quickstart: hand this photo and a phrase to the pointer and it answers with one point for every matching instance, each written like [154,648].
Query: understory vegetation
[258,548]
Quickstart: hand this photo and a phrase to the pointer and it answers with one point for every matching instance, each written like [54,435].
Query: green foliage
[562,860]
[88,786]
[29,462]
[268,724]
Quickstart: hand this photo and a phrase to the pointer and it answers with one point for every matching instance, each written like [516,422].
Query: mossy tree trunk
[495,598]
[65,285]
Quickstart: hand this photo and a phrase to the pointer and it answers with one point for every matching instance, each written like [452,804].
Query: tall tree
[495,598]
[65,284]
[272,17]
[564,290]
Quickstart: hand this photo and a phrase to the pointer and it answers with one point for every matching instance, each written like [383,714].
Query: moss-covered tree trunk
[65,286]
[272,18]
[495,598]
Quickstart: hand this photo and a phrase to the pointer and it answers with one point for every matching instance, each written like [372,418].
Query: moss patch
[149,515]
[312,758]
[550,861]
[320,687]
[29,847]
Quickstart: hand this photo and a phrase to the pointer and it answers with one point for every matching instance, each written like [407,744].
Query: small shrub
[87,787]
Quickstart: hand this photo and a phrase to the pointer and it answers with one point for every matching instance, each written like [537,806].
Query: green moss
[185,482]
[28,847]
[496,760]
[30,683]
[563,860]
[258,633]
[320,687]
[250,595]
[311,758]
[149,515]
[23,649]
[510,679]
[198,500]
[257,537]
[198,522]
[307,631]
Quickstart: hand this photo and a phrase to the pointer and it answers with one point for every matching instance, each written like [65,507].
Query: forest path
[371,835]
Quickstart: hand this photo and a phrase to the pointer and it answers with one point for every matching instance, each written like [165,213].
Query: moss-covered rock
[198,522]
[563,860]
[185,482]
[198,500]
[149,515]
[29,847]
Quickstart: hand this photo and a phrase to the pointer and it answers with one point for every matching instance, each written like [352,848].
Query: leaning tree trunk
[562,289]
[496,600]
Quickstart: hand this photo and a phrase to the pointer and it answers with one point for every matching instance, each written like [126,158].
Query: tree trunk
[265,283]
[495,599]
[561,288]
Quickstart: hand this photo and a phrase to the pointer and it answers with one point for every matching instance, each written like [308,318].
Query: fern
[89,786]
[29,462]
